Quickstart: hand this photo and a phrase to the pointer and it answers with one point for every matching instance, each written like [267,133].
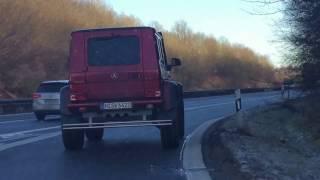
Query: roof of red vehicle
[114,28]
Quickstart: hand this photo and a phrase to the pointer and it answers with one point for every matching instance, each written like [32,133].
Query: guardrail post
[238,100]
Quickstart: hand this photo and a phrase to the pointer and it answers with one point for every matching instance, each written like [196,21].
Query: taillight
[78,90]
[157,93]
[152,84]
[36,96]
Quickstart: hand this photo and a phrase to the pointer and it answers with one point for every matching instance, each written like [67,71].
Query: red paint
[110,83]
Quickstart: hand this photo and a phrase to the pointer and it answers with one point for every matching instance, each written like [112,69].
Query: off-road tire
[170,134]
[73,139]
[181,119]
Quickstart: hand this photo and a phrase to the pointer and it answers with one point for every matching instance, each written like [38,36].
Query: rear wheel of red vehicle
[170,134]
[94,134]
[181,119]
[169,138]
[180,116]
[73,139]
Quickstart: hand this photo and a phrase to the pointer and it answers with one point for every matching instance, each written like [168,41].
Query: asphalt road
[33,150]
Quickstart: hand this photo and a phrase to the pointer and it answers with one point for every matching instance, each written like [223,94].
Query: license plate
[117,105]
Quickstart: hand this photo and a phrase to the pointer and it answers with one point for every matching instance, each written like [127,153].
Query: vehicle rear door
[114,65]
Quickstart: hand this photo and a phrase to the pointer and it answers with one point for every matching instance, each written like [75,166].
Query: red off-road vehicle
[119,77]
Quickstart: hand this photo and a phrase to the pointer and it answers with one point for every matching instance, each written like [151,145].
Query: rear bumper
[116,124]
[96,105]
[95,117]
[45,107]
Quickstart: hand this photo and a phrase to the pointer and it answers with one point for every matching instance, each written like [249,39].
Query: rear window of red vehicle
[119,50]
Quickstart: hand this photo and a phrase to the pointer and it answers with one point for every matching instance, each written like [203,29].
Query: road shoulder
[274,142]
[191,153]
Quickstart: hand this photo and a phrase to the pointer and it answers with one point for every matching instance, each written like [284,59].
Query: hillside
[35,35]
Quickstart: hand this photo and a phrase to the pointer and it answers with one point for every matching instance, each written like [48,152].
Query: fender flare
[64,100]
[172,92]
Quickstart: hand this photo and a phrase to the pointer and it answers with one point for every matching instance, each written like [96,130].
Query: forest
[35,36]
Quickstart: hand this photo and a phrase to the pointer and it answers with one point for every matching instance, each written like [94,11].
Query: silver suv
[46,100]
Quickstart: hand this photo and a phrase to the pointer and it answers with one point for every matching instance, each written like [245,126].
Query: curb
[191,153]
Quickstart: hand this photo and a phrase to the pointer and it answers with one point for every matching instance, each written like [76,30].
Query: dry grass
[276,142]
[35,34]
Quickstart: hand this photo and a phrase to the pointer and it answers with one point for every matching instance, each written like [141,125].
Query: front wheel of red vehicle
[94,134]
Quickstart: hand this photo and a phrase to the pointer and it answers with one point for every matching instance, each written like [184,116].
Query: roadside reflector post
[238,100]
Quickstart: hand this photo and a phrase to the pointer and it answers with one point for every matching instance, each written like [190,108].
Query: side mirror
[175,62]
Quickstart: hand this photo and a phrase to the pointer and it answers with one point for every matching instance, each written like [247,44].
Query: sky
[219,18]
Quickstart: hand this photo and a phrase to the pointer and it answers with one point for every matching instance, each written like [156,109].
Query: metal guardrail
[25,105]
[15,106]
[15,101]
[195,94]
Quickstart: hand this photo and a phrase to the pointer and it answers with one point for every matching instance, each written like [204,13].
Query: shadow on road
[138,158]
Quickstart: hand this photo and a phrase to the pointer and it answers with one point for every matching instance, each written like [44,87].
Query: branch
[262,14]
[263,2]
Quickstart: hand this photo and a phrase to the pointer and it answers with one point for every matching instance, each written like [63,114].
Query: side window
[162,59]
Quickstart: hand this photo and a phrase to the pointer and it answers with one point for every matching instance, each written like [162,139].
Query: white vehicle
[46,100]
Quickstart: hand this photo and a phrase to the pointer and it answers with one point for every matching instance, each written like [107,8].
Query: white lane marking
[14,121]
[206,106]
[19,114]
[29,119]
[267,97]
[210,98]
[183,146]
[27,131]
[17,138]
[27,141]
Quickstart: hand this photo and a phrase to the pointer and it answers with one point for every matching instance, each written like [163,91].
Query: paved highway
[33,150]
